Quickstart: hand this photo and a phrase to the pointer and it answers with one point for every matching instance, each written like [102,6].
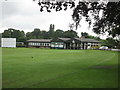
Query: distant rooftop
[39,40]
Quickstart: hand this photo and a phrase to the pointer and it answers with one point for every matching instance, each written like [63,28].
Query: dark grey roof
[65,40]
[39,40]
[87,40]
[81,39]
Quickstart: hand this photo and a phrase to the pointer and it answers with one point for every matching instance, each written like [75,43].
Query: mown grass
[52,68]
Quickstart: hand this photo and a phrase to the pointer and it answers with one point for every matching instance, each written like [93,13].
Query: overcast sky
[24,15]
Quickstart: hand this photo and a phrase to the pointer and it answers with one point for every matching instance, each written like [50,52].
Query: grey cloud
[9,9]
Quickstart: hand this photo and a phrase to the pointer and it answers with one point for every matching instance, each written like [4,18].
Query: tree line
[21,36]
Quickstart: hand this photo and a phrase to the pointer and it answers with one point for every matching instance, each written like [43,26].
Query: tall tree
[84,34]
[51,30]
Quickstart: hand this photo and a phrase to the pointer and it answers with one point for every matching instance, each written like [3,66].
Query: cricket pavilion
[64,43]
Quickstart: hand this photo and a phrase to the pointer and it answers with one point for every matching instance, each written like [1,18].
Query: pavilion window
[47,44]
[37,44]
[43,44]
[40,44]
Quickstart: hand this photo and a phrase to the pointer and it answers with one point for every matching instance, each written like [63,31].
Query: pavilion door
[67,45]
[83,46]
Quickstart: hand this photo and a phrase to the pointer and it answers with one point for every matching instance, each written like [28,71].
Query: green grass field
[52,68]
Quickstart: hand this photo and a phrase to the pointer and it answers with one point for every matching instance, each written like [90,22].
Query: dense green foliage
[111,43]
[13,33]
[86,35]
[38,34]
[51,68]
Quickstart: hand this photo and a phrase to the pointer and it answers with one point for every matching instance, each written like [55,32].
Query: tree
[58,33]
[110,42]
[6,34]
[13,33]
[16,34]
[51,30]
[22,37]
[109,22]
[44,34]
[36,33]
[84,34]
[28,35]
[70,34]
